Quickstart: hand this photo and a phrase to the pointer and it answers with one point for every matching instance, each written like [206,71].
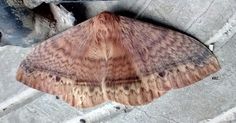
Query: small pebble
[57,97]
[82,121]
[215,78]
[117,107]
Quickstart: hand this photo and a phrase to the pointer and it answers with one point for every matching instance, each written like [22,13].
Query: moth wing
[162,59]
[67,65]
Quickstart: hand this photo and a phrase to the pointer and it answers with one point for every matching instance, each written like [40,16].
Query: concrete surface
[196,103]
[46,109]
[10,59]
[201,18]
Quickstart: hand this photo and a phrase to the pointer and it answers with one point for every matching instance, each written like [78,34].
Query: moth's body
[111,57]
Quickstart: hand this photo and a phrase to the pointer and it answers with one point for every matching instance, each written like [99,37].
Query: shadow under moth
[110,57]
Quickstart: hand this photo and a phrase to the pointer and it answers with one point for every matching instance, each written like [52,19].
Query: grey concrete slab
[210,21]
[46,109]
[203,100]
[201,18]
[10,59]
[176,13]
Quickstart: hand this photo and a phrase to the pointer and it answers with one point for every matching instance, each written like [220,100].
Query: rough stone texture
[201,101]
[11,27]
[22,26]
[34,3]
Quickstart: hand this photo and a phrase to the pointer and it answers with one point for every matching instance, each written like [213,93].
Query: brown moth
[115,58]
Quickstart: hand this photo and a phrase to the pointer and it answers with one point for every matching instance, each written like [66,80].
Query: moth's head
[106,26]
[106,17]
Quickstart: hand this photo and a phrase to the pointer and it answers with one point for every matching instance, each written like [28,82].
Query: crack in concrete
[195,20]
[17,101]
[162,15]
[151,117]
[172,120]
[221,47]
[147,3]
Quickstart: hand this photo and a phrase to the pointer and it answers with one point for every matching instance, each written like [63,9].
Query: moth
[110,57]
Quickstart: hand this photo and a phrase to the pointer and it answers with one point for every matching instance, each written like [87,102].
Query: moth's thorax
[106,27]
[105,49]
[106,32]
